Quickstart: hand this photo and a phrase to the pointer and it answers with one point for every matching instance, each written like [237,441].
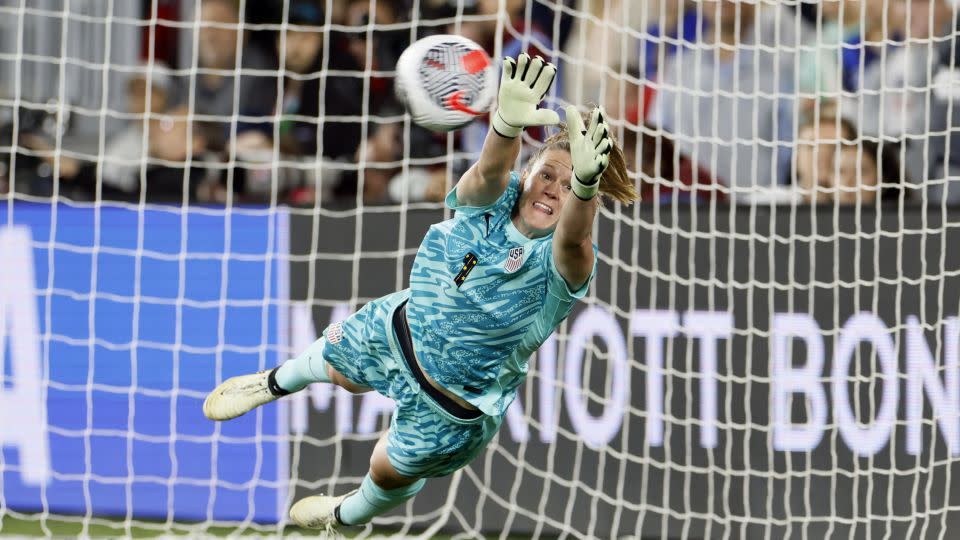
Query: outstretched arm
[573,239]
[523,85]
[486,179]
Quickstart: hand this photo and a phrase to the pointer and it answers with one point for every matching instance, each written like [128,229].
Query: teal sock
[309,367]
[372,500]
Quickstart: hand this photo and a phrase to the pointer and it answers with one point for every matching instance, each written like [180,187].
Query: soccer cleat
[318,512]
[238,395]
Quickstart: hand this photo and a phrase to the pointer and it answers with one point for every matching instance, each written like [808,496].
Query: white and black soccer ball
[446,82]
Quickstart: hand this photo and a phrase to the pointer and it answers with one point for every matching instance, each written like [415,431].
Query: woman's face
[302,49]
[858,174]
[546,187]
[816,160]
[218,35]
[831,169]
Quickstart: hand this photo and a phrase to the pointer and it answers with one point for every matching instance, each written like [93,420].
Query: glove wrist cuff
[504,129]
[585,190]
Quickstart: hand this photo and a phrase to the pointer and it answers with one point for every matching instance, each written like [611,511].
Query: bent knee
[382,471]
[387,477]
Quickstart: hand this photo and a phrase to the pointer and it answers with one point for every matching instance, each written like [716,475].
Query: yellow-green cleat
[238,395]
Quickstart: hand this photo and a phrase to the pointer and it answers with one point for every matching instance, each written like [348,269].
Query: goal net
[195,189]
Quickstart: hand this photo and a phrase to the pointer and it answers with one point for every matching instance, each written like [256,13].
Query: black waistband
[406,348]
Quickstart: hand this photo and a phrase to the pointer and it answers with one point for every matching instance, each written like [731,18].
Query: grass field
[30,526]
[73,527]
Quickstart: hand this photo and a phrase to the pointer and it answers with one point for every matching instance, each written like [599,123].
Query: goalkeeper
[487,287]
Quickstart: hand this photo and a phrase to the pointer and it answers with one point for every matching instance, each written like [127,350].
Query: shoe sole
[210,404]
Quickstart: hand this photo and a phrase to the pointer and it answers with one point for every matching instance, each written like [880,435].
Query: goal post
[745,364]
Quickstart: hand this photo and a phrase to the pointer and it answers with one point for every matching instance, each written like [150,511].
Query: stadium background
[193,190]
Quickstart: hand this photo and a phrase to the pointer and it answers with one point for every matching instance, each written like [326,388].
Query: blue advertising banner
[114,324]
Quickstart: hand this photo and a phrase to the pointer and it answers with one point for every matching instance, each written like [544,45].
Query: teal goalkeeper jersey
[483,298]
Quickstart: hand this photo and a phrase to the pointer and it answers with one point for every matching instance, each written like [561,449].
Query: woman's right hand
[523,85]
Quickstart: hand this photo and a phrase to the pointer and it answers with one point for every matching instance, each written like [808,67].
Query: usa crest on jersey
[334,333]
[514,260]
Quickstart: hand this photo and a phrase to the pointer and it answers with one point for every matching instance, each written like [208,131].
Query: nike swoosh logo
[454,102]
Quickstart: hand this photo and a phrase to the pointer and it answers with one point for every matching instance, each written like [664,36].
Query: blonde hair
[615,182]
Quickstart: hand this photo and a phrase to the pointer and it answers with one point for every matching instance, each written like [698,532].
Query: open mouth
[543,208]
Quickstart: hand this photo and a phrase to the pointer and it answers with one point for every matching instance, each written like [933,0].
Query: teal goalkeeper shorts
[425,440]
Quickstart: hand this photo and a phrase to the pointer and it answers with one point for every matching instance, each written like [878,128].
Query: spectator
[825,27]
[483,27]
[870,27]
[47,167]
[223,50]
[900,100]
[609,76]
[302,62]
[730,105]
[842,40]
[21,164]
[124,152]
[343,94]
[819,146]
[323,116]
[557,17]
[170,140]
[594,69]
[835,165]
[176,147]
[943,146]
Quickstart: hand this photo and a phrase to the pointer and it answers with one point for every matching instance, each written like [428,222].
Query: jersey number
[469,261]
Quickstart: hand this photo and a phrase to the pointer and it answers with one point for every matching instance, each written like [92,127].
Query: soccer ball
[446,82]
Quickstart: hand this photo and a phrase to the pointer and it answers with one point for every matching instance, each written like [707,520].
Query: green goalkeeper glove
[589,150]
[523,85]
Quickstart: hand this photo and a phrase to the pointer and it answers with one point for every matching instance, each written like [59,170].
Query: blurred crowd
[848,101]
[832,101]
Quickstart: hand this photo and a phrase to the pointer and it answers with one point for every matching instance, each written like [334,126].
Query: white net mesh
[195,189]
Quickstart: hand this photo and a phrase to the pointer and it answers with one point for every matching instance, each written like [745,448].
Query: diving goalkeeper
[487,288]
